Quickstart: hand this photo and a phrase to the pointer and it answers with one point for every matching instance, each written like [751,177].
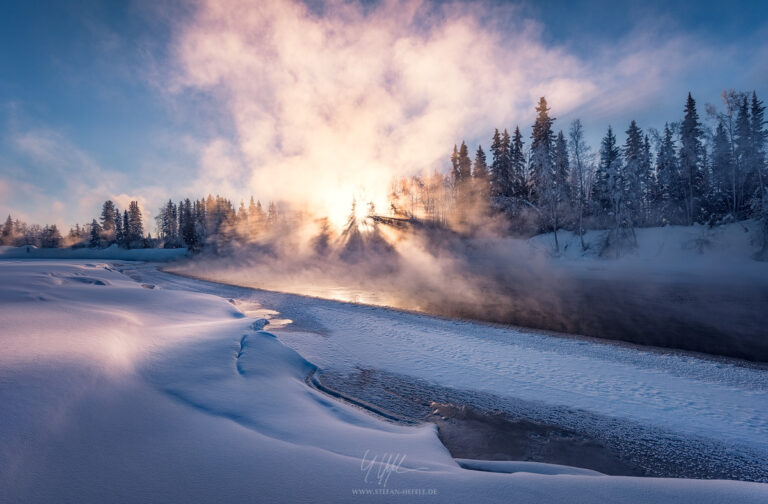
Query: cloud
[343,96]
[56,182]
[328,104]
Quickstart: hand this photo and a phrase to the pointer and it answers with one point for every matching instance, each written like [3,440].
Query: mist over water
[506,280]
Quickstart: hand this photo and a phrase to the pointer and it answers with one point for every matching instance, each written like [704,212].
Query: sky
[317,102]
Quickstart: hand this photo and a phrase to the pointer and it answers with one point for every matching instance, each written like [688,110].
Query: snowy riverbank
[142,386]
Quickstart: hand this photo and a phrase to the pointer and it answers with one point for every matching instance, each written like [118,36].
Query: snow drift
[116,392]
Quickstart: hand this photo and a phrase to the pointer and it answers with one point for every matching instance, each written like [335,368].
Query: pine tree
[601,190]
[480,175]
[647,181]
[119,229]
[108,217]
[135,229]
[634,153]
[187,225]
[667,198]
[455,169]
[542,150]
[465,164]
[126,230]
[722,167]
[95,235]
[692,175]
[758,136]
[501,188]
[518,188]
[461,179]
[6,236]
[496,164]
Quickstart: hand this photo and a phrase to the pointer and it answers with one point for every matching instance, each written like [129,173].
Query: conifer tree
[542,150]
[480,175]
[119,230]
[634,153]
[722,167]
[126,230]
[135,224]
[601,190]
[758,136]
[7,233]
[95,240]
[692,175]
[518,188]
[108,217]
[647,182]
[667,199]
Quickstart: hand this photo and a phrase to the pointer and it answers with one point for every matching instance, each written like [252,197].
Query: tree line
[687,173]
[188,223]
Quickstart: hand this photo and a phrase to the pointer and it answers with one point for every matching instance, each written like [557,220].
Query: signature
[386,465]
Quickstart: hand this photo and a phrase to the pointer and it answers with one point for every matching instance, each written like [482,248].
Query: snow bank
[113,252]
[515,466]
[674,246]
[115,392]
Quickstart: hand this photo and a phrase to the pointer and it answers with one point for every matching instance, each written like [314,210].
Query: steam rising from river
[330,103]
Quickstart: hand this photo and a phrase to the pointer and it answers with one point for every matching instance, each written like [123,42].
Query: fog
[711,307]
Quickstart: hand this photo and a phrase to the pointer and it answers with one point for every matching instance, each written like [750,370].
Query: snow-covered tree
[95,240]
[542,150]
[108,217]
[601,191]
[580,156]
[691,173]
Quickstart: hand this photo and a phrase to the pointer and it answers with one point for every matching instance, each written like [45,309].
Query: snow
[671,246]
[112,252]
[139,386]
[513,466]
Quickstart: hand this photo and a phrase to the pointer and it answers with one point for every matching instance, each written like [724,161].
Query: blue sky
[91,105]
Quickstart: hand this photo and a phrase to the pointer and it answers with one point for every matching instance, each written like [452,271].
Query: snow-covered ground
[110,253]
[124,384]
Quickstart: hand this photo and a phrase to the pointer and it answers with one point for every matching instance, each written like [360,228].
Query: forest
[693,171]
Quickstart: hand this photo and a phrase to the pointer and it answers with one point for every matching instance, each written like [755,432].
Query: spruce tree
[455,169]
[601,190]
[758,136]
[7,232]
[465,164]
[95,240]
[722,168]
[647,181]
[692,175]
[119,230]
[108,217]
[667,198]
[497,165]
[480,176]
[135,225]
[518,188]
[542,150]
[634,153]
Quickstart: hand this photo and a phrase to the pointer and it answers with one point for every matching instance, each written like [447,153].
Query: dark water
[727,318]
[521,430]
[722,316]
